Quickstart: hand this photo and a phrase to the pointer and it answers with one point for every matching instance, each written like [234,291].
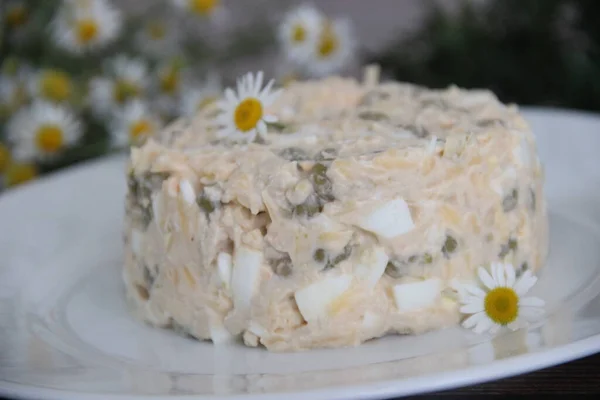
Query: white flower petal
[494,328]
[485,278]
[525,283]
[531,313]
[230,96]
[510,275]
[501,277]
[474,290]
[531,302]
[270,118]
[473,320]
[483,325]
[261,128]
[258,83]
[474,307]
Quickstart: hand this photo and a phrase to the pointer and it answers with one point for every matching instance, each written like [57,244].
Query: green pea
[510,201]
[148,277]
[307,209]
[319,255]
[532,200]
[427,258]
[395,269]
[327,154]
[512,244]
[373,116]
[321,182]
[283,266]
[524,267]
[294,154]
[450,245]
[412,259]
[343,255]
[276,126]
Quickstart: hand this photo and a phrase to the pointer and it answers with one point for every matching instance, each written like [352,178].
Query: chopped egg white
[245,276]
[315,299]
[416,295]
[187,191]
[371,264]
[370,320]
[224,267]
[218,333]
[137,241]
[392,219]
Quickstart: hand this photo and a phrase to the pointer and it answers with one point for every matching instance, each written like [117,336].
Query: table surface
[581,377]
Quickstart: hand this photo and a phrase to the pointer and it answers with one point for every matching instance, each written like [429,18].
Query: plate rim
[428,383]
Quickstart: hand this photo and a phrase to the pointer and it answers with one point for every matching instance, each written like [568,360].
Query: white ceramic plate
[65,332]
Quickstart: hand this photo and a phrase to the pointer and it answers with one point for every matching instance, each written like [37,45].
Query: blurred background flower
[84,78]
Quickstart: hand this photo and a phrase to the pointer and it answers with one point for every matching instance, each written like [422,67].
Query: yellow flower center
[138,130]
[328,42]
[298,34]
[169,82]
[247,114]
[203,7]
[17,174]
[502,305]
[55,85]
[124,90]
[50,138]
[86,30]
[206,102]
[4,158]
[156,30]
[16,16]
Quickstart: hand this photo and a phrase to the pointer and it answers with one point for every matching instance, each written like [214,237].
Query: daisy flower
[243,113]
[158,39]
[195,99]
[10,96]
[42,131]
[85,25]
[17,173]
[333,50]
[201,8]
[126,79]
[51,85]
[134,124]
[299,31]
[500,301]
[4,158]
[170,77]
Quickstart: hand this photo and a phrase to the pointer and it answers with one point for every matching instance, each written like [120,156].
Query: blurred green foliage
[530,52]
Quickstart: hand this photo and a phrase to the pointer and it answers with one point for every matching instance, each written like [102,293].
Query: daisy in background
[12,96]
[195,99]
[333,50]
[126,79]
[133,125]
[500,301]
[84,25]
[169,79]
[212,9]
[5,158]
[52,85]
[243,113]
[158,39]
[299,31]
[42,131]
